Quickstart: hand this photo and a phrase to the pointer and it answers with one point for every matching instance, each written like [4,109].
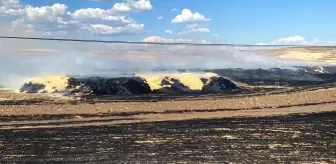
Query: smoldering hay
[139,84]
[26,60]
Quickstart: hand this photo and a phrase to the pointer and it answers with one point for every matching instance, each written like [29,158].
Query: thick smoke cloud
[22,59]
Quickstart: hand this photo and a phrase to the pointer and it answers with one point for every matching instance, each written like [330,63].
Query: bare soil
[296,138]
[45,111]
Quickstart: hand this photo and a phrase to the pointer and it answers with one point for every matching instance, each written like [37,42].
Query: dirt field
[259,124]
[42,111]
[322,54]
[300,138]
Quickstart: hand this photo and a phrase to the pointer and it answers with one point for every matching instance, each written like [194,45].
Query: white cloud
[20,23]
[199,30]
[160,17]
[129,6]
[173,9]
[187,16]
[90,13]
[121,7]
[48,13]
[102,29]
[132,5]
[215,35]
[141,4]
[169,31]
[297,39]
[5,11]
[10,3]
[291,40]
[195,30]
[164,40]
[158,39]
[56,19]
[190,26]
[97,15]
[26,28]
[39,20]
[10,8]
[55,34]
[183,40]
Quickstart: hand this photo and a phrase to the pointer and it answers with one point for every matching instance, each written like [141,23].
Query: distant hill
[313,54]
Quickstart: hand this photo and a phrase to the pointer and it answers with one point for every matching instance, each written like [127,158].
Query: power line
[154,43]
[132,42]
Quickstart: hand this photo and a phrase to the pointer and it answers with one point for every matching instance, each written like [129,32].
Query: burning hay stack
[140,84]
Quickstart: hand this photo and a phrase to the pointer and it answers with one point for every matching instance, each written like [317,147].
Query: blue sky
[224,21]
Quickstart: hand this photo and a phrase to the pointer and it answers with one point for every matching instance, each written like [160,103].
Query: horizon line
[159,43]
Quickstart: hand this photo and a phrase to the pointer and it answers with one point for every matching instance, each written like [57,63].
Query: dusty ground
[42,111]
[303,138]
[273,125]
[260,124]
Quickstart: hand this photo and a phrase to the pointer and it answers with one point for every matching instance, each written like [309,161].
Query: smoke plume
[23,59]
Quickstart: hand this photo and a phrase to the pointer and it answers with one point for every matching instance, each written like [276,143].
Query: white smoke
[22,59]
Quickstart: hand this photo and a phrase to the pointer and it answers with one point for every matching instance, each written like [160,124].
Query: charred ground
[177,127]
[296,138]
